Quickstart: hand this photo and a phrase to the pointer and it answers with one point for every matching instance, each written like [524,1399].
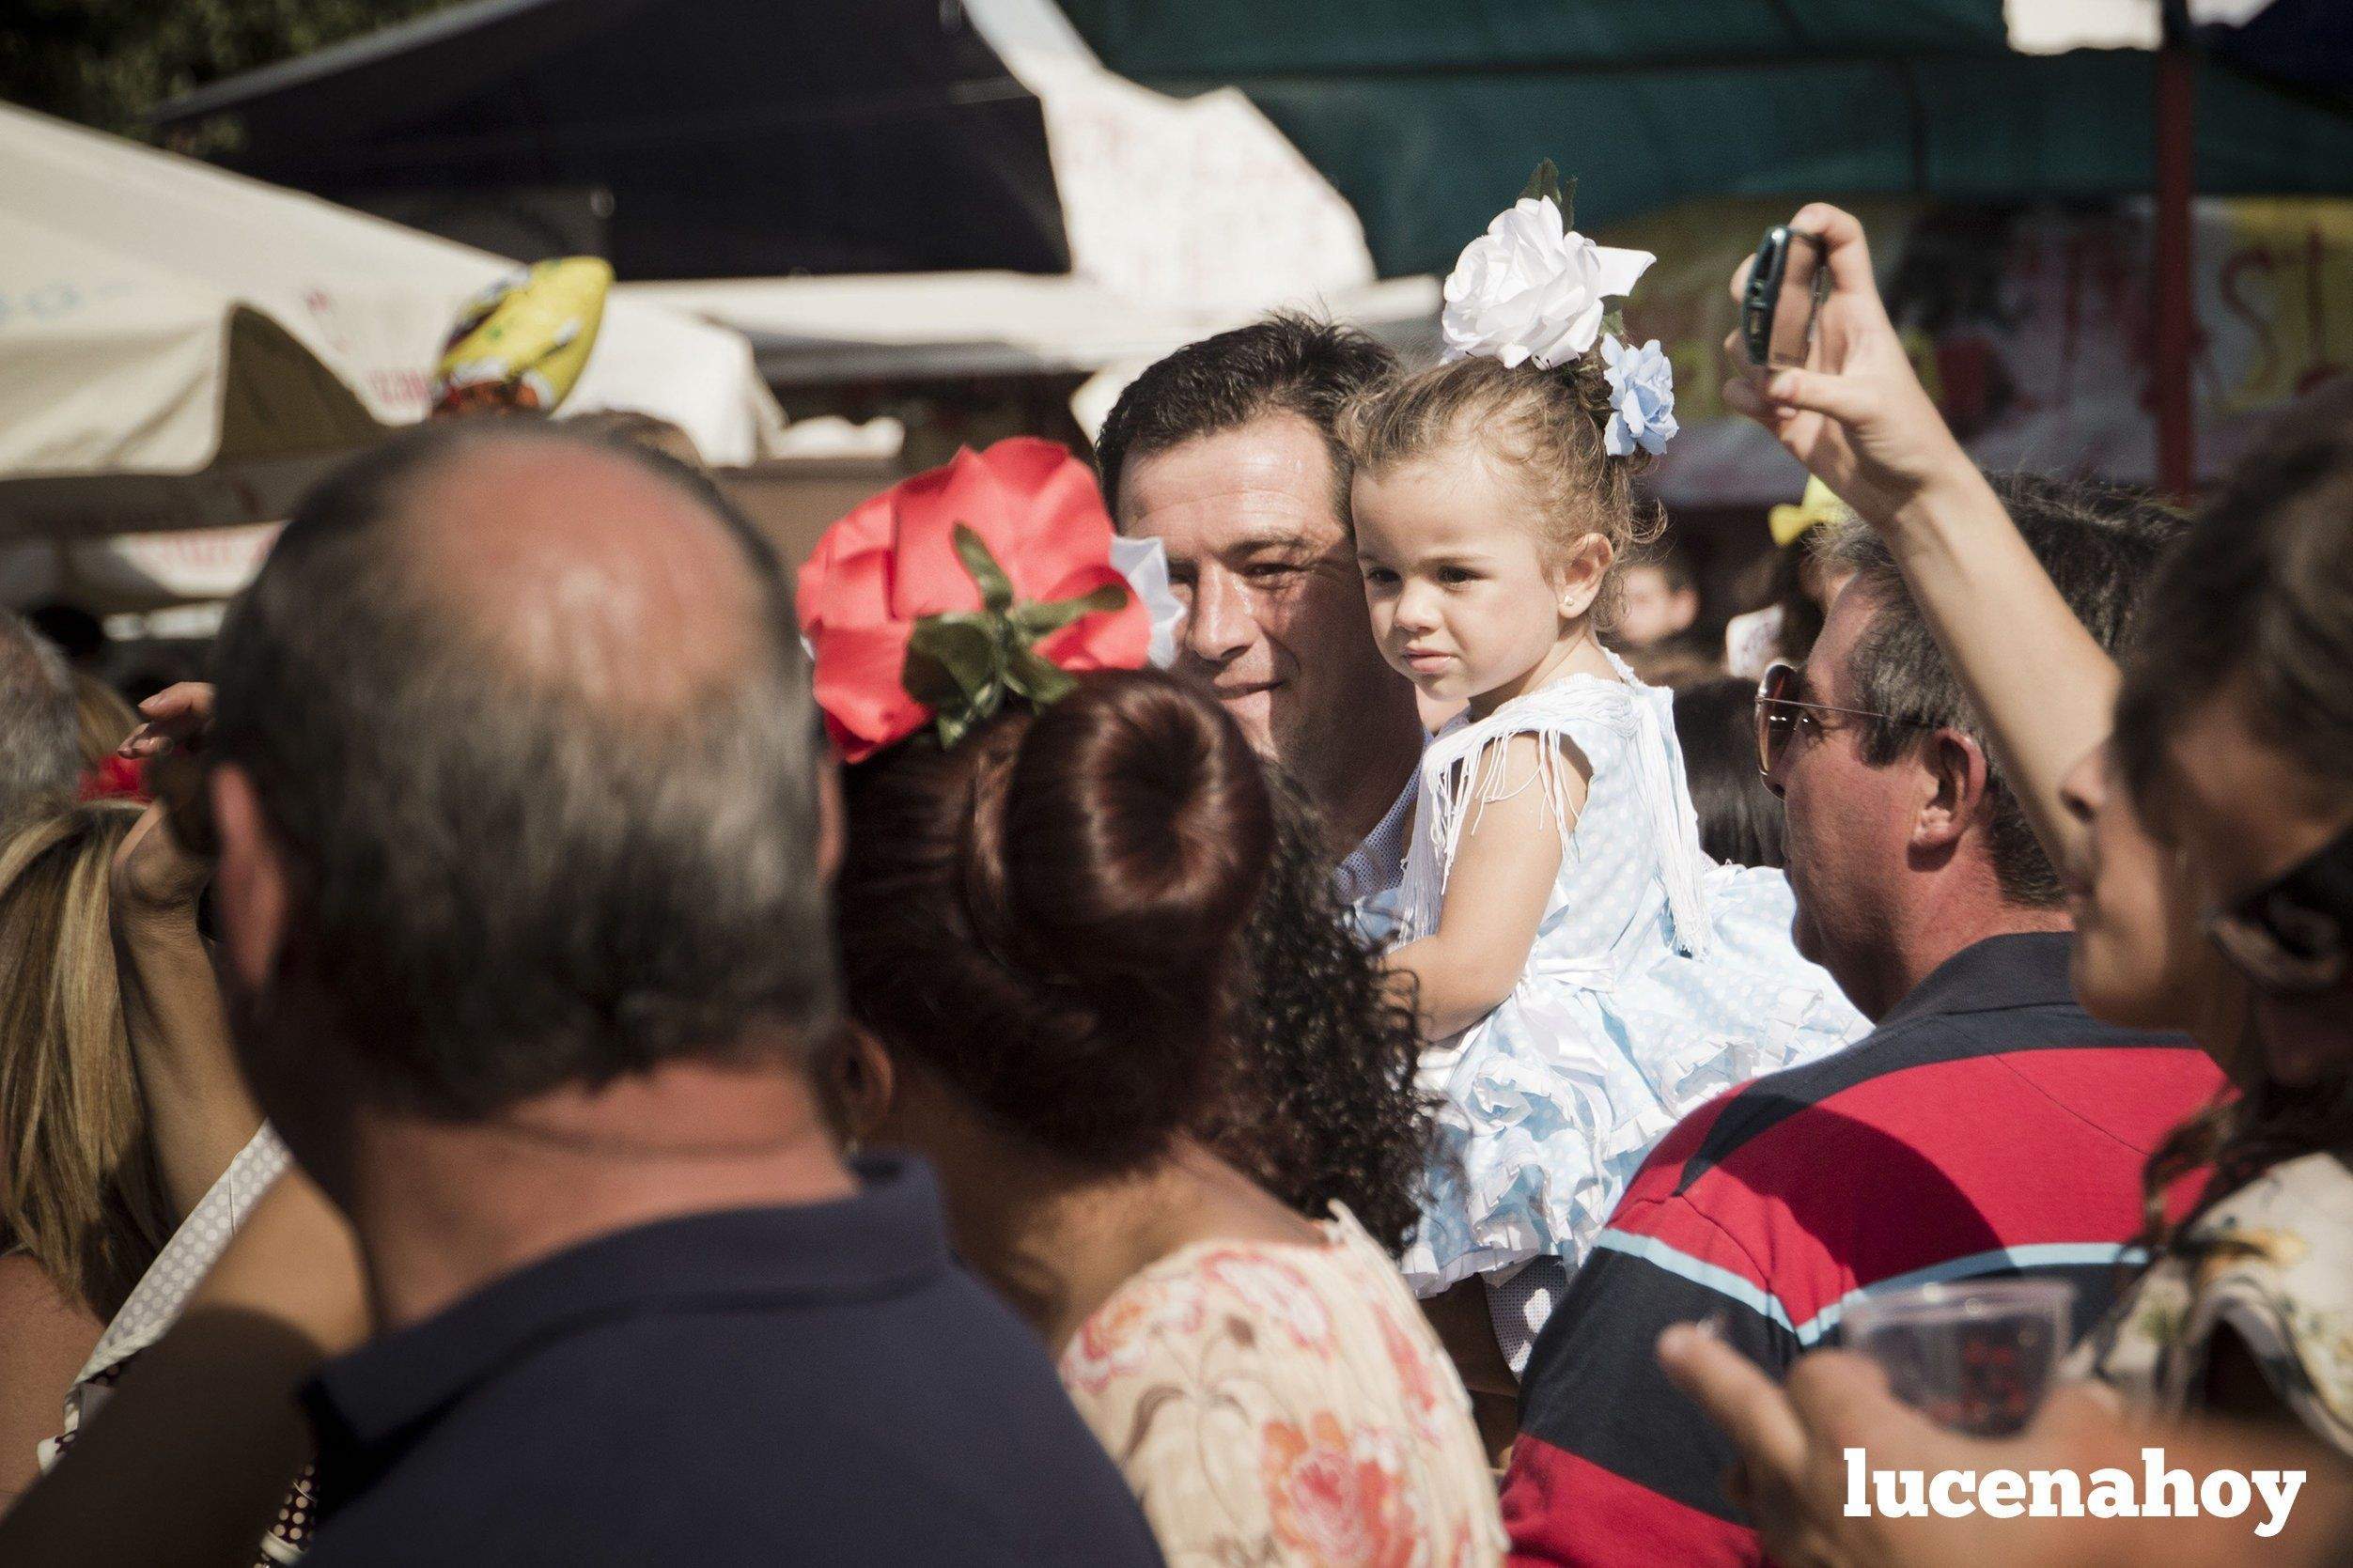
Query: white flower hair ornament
[1532,289]
[1144,564]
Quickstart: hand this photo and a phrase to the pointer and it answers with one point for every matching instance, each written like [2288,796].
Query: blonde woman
[256,1285]
[121,1111]
[102,720]
[83,1205]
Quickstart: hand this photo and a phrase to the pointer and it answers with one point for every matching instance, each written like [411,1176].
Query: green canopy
[1429,114]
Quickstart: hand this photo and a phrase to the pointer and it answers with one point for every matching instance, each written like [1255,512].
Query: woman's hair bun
[1100,866]
[1129,836]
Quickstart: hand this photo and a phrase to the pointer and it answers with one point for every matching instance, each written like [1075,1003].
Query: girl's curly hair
[1319,1098]
[1545,427]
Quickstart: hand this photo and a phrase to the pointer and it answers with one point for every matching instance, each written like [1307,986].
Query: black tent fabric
[2305,41]
[708,138]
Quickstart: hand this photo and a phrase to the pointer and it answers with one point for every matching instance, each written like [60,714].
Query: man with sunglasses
[1987,1126]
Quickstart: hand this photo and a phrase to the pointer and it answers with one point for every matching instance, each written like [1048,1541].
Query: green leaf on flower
[1044,620]
[951,661]
[1613,322]
[1545,182]
[962,665]
[996,589]
[1032,675]
[950,726]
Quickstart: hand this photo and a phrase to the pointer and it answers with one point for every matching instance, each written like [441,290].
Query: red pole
[2176,324]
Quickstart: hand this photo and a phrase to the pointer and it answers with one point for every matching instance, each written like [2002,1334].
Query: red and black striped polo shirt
[1987,1127]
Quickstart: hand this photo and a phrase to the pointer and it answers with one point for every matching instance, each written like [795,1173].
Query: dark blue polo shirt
[818,1384]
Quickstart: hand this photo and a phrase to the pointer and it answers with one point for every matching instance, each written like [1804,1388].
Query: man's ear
[1957,781]
[253,892]
[1580,574]
[859,1081]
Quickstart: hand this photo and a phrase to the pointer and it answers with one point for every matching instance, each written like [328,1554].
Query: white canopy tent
[181,347]
[1195,202]
[939,326]
[201,345]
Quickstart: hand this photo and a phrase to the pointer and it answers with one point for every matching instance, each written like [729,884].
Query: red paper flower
[891,578]
[113,779]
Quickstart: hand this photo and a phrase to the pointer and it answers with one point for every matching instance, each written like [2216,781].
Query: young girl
[1586,973]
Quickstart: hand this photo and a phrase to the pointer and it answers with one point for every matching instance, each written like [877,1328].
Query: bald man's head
[583,566]
[528,720]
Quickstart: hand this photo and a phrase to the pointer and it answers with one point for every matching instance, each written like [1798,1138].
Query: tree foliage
[106,63]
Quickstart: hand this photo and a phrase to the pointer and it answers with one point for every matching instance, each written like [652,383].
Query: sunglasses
[1778,714]
[2294,935]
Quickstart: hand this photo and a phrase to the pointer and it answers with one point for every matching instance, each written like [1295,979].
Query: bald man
[523,838]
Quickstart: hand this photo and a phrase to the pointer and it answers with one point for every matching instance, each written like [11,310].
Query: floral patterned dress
[1287,1405]
[2273,1264]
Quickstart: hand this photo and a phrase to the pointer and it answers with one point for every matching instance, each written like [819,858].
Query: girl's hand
[165,859]
[1859,419]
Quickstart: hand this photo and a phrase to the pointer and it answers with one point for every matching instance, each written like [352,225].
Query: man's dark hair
[2099,542]
[500,885]
[1286,364]
[40,747]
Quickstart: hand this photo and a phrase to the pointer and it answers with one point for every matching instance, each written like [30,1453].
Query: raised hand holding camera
[1854,413]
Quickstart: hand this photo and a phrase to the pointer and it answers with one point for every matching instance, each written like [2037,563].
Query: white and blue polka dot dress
[1658,980]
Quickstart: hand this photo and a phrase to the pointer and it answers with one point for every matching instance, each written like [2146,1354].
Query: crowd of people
[1267,1000]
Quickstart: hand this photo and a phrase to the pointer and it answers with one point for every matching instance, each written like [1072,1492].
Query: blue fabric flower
[1641,398]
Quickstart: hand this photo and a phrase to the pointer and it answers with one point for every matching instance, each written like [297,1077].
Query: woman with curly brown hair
[1050,863]
[1319,1100]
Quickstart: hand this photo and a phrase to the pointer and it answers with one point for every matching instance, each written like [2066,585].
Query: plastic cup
[1976,1357]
